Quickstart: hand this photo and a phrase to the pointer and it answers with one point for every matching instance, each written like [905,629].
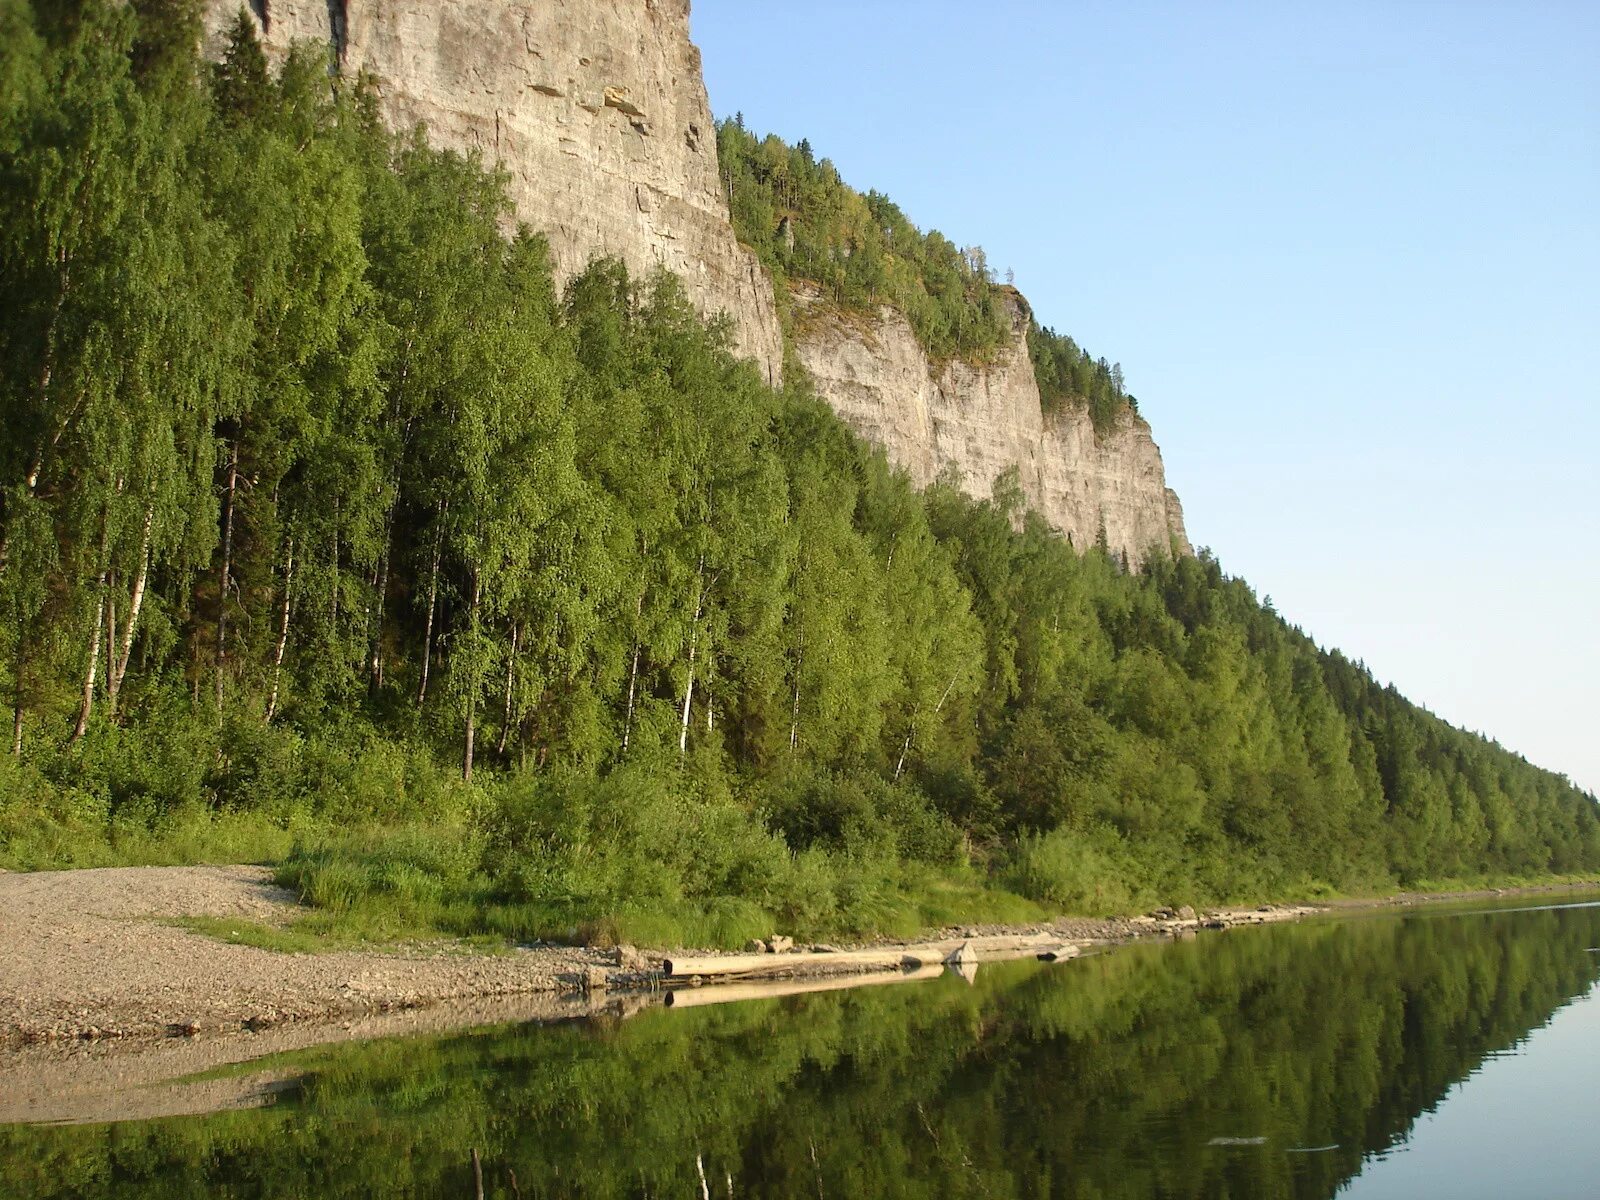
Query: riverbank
[145,953]
[1462,895]
[153,954]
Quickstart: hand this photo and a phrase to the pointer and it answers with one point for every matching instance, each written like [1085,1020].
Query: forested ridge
[331,529]
[861,251]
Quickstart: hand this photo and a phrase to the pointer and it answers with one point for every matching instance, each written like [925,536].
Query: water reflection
[1260,1062]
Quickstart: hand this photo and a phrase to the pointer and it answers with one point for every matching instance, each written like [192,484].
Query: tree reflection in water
[1263,1063]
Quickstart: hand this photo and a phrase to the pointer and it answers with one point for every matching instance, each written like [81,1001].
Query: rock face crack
[338,26]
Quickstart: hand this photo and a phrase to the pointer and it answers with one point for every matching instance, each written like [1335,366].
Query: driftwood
[907,958]
[730,993]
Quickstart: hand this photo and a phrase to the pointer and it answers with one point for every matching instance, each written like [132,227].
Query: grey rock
[599,115]
[598,112]
[983,421]
[630,959]
[963,955]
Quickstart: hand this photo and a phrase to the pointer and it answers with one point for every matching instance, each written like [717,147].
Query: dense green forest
[1336,1036]
[860,251]
[331,528]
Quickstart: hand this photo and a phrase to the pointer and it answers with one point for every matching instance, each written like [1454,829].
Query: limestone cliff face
[597,108]
[982,421]
[598,111]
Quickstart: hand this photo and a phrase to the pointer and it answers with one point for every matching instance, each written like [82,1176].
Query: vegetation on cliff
[860,251]
[324,518]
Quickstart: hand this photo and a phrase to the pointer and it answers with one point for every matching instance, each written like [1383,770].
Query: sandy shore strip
[87,955]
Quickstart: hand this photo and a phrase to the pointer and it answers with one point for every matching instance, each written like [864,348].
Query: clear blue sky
[1346,253]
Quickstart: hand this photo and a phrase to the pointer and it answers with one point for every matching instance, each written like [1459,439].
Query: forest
[333,533]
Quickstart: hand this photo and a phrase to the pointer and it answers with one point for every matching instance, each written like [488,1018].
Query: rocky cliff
[598,111]
[596,108]
[983,421]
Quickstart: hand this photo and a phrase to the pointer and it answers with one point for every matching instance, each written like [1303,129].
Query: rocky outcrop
[981,421]
[598,112]
[596,108]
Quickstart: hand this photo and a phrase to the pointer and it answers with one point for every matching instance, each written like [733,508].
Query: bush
[863,816]
[1075,871]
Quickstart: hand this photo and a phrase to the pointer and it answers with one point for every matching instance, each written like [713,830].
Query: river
[1449,1052]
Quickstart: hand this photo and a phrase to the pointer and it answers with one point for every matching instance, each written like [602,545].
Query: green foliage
[860,251]
[328,521]
[1078,871]
[1069,378]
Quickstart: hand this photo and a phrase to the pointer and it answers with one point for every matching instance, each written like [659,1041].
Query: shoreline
[1411,899]
[100,993]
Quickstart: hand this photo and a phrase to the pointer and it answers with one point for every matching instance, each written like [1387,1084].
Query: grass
[36,841]
[715,879]
[319,933]
[283,940]
[383,885]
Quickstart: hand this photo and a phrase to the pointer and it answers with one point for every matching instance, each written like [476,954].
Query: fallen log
[879,958]
[768,964]
[728,993]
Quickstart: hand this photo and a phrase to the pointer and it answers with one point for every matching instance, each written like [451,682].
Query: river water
[1436,1052]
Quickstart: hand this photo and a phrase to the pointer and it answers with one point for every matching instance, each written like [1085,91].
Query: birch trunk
[905,749]
[41,395]
[472,692]
[633,674]
[227,571]
[18,668]
[911,732]
[511,665]
[688,696]
[794,714]
[283,631]
[101,600]
[87,704]
[111,628]
[433,601]
[694,645]
[375,680]
[633,682]
[118,665]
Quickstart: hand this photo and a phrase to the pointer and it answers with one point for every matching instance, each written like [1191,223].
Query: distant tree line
[315,493]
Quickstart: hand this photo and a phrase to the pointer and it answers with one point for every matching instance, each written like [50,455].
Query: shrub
[1076,871]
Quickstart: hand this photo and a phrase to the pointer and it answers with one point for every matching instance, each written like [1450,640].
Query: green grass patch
[283,940]
[383,885]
